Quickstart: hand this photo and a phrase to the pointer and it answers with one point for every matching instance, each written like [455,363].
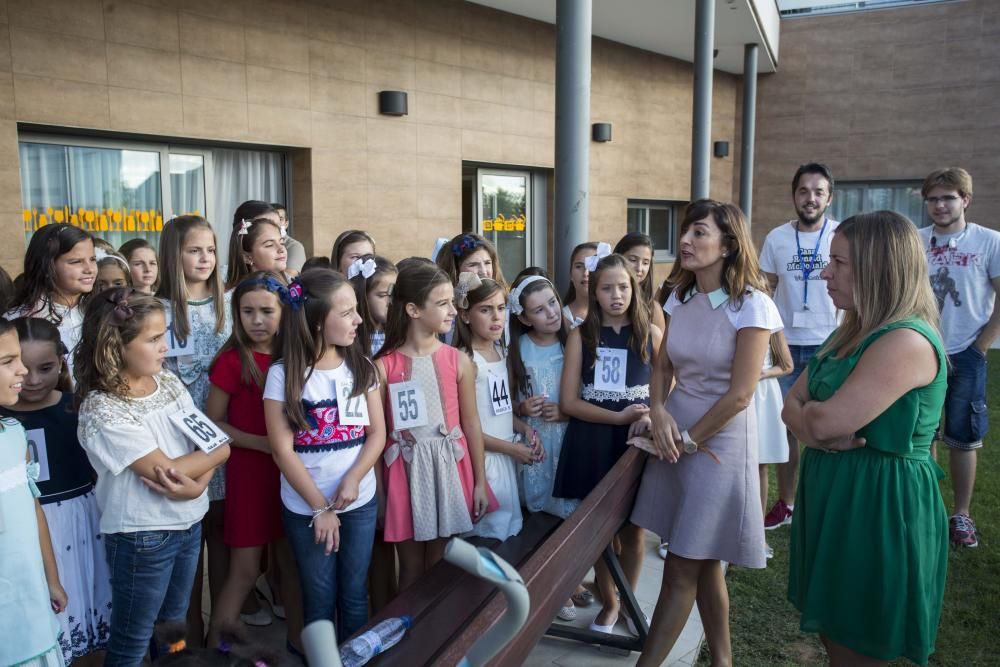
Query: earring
[725,254]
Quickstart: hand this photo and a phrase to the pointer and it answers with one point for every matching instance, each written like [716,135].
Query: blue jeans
[801,356]
[965,417]
[152,572]
[338,582]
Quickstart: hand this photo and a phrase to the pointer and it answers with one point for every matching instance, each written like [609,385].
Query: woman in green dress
[870,538]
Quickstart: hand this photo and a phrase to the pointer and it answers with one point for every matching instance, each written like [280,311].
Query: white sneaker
[768,552]
[567,613]
[662,550]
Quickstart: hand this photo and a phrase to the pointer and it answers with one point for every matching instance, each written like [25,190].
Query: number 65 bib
[409,407]
[609,371]
[199,429]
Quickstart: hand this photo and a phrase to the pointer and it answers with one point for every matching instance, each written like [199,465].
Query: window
[121,190]
[900,196]
[658,220]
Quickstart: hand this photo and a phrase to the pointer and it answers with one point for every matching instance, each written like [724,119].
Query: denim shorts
[965,416]
[801,356]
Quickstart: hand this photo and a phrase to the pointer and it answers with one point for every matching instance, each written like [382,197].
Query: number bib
[609,372]
[499,396]
[409,407]
[352,410]
[39,452]
[174,347]
[199,429]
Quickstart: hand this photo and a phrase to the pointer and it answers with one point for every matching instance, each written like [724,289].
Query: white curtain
[240,176]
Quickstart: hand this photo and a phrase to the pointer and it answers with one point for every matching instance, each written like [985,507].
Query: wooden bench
[452,609]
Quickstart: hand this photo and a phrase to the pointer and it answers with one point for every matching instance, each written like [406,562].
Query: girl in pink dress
[434,479]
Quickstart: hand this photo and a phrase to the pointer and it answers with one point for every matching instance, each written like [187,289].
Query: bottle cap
[407,621]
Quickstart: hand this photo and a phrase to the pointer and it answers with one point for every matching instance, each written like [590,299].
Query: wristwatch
[690,446]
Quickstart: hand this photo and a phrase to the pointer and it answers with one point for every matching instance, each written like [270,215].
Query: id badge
[352,410]
[409,407]
[199,429]
[609,372]
[174,346]
[499,394]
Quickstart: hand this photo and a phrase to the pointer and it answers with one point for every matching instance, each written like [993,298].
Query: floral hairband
[465,244]
[294,296]
[101,254]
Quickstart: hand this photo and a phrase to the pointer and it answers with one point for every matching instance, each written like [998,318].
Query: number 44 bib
[609,371]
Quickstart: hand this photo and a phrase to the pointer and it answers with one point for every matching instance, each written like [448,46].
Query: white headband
[603,250]
[365,268]
[515,294]
[102,254]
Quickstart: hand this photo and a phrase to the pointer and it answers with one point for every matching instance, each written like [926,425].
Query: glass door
[504,216]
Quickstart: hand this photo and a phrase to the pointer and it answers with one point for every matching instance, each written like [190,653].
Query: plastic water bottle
[379,639]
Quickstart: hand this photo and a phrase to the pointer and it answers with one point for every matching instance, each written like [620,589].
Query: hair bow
[268,283]
[294,296]
[365,268]
[467,281]
[465,244]
[515,294]
[122,312]
[603,250]
[101,254]
[245,226]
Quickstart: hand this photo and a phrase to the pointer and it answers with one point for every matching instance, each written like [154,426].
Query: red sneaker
[962,531]
[780,515]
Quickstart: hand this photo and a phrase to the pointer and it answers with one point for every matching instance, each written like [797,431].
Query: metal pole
[749,126]
[572,166]
[701,140]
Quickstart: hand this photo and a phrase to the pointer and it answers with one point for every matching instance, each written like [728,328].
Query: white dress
[501,473]
[772,443]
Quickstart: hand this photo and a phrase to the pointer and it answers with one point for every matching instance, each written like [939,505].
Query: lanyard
[806,270]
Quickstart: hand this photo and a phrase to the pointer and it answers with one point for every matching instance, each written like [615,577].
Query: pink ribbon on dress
[403,443]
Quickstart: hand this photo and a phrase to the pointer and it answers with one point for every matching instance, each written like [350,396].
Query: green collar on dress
[715,298]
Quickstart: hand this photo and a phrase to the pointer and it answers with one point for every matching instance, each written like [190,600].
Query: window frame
[660,255]
[867,185]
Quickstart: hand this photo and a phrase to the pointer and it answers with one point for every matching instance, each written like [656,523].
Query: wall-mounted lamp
[392,103]
[601,132]
[720,148]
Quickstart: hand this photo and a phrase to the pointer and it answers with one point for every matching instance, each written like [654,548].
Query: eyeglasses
[947,199]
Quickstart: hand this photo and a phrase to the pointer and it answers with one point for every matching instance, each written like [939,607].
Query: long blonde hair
[173,287]
[890,278]
[740,268]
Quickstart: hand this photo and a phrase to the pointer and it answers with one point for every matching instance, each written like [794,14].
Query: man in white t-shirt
[964,263]
[792,258]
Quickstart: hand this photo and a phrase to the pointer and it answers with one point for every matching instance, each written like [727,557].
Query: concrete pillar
[572,154]
[701,139]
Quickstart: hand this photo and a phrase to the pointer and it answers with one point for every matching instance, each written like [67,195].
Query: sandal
[583,599]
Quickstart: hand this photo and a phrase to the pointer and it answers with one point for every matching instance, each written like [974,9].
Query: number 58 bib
[609,371]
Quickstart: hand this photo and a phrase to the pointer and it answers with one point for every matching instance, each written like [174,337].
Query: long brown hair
[451,256]
[241,245]
[300,343]
[41,330]
[890,278]
[238,340]
[637,312]
[414,284]
[173,287]
[740,269]
[463,332]
[34,289]
[639,240]
[113,319]
[345,239]
[361,286]
[571,290]
[519,374]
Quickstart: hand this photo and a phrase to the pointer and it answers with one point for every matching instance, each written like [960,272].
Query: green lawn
[765,626]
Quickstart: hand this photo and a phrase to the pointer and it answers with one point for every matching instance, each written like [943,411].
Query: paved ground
[565,653]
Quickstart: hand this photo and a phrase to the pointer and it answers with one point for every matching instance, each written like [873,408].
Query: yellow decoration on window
[103,224]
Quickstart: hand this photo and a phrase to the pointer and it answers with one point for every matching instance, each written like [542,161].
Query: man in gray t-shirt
[964,264]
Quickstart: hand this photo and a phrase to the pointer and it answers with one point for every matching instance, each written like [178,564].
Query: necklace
[953,241]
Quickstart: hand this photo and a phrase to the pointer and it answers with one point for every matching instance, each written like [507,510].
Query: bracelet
[316,513]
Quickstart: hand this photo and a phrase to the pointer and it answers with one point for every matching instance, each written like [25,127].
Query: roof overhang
[667,26]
